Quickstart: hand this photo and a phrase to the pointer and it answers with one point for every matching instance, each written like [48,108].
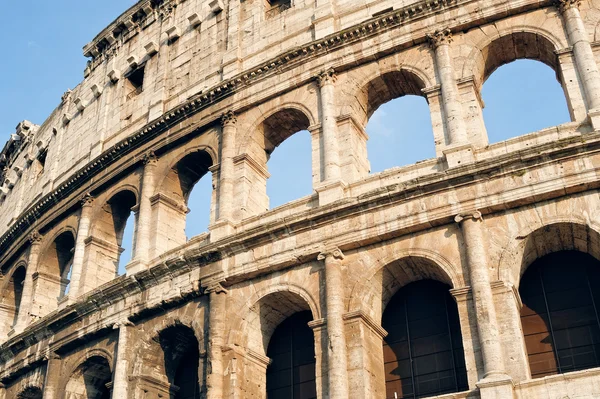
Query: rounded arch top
[378,83]
[268,308]
[514,43]
[543,238]
[372,293]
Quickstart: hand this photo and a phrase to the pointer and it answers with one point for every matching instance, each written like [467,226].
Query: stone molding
[92,240]
[246,158]
[170,202]
[367,320]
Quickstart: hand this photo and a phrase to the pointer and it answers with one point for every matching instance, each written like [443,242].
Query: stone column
[216,327]
[226,175]
[584,56]
[225,208]
[337,362]
[27,299]
[332,185]
[82,233]
[495,382]
[331,154]
[458,149]
[52,376]
[121,377]
[487,325]
[141,248]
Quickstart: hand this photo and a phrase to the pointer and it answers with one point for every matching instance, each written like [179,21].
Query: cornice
[217,93]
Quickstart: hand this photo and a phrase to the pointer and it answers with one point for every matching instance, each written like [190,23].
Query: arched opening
[560,292]
[291,374]
[11,300]
[114,228]
[17,281]
[399,120]
[287,132]
[120,206]
[269,326]
[195,190]
[181,356]
[30,393]
[90,380]
[423,351]
[183,207]
[522,91]
[53,281]
[126,244]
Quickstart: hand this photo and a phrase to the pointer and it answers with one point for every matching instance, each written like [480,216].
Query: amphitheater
[475,274]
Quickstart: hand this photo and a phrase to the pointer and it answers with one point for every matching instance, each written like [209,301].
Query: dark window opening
[182,360]
[18,280]
[135,80]
[276,6]
[561,324]
[41,161]
[423,352]
[291,374]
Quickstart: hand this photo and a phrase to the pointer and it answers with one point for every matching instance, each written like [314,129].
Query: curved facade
[178,89]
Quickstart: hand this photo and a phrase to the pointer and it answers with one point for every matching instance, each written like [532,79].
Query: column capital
[475,215]
[51,356]
[86,200]
[334,253]
[229,118]
[326,77]
[150,158]
[124,323]
[564,5]
[215,288]
[439,37]
[35,237]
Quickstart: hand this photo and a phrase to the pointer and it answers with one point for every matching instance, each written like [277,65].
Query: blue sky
[42,45]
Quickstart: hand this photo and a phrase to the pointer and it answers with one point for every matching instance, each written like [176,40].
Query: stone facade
[175,89]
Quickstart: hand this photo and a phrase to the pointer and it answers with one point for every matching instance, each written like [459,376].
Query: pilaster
[458,150]
[216,326]
[79,254]
[27,298]
[474,245]
[585,62]
[337,360]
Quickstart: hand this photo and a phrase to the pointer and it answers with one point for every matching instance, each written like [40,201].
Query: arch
[560,292]
[390,273]
[171,354]
[288,105]
[90,378]
[518,42]
[173,193]
[389,83]
[55,267]
[104,246]
[545,236]
[286,299]
[30,392]
[292,371]
[266,133]
[423,351]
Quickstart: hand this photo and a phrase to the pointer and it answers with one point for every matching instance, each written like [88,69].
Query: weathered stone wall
[224,84]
